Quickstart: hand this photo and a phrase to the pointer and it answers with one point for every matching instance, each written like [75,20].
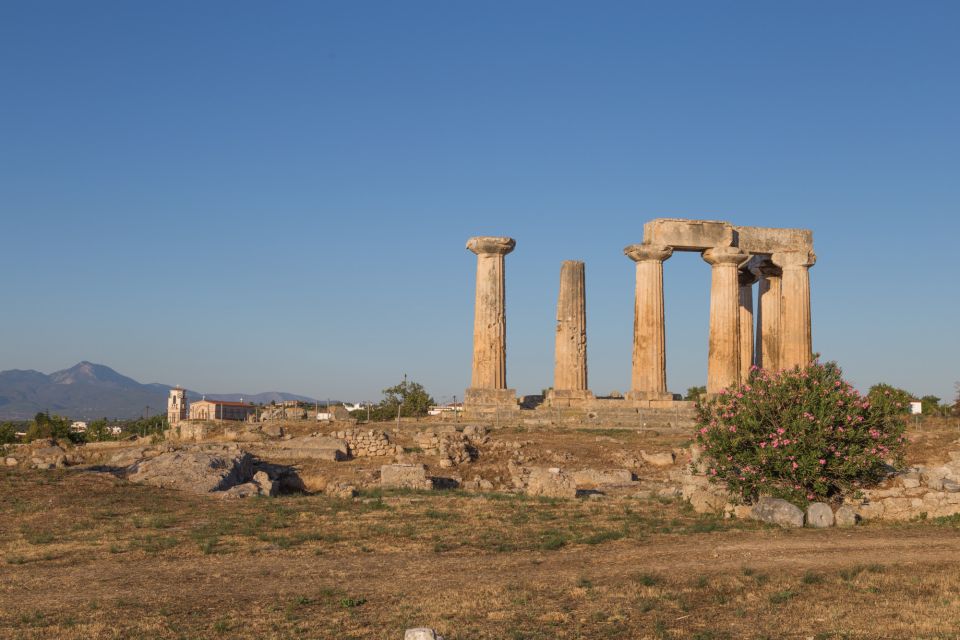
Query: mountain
[87,391]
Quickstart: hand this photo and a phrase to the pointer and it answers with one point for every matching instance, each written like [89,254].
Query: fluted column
[490,319]
[768,316]
[570,370]
[796,340]
[746,279]
[649,373]
[723,365]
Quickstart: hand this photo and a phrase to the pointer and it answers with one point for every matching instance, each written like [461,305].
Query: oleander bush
[802,435]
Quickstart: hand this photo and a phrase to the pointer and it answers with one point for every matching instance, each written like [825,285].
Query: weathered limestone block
[404,476]
[596,478]
[267,486]
[660,459]
[845,516]
[704,501]
[819,515]
[313,447]
[550,483]
[777,511]
[490,325]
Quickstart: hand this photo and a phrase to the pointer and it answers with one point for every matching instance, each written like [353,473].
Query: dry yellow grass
[85,555]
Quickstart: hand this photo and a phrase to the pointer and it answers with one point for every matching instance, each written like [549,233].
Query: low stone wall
[368,443]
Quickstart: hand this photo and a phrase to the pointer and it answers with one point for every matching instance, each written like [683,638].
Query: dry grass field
[87,555]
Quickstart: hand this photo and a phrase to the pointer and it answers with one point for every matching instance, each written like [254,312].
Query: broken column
[570,369]
[746,279]
[796,349]
[723,365]
[488,386]
[649,371]
[768,315]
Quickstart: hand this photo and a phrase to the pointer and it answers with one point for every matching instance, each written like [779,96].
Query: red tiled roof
[226,403]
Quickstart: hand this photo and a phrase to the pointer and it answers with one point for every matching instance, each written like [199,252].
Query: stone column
[723,365]
[746,279]
[649,376]
[490,317]
[796,347]
[768,316]
[570,370]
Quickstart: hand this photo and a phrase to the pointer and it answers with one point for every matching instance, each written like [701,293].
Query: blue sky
[247,196]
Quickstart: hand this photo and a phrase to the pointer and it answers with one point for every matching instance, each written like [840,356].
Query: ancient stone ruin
[775,333]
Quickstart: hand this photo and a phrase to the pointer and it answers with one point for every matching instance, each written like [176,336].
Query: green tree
[97,431]
[44,425]
[411,398]
[931,406]
[694,393]
[8,433]
[890,397]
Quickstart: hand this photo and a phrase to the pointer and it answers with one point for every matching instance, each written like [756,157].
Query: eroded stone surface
[777,511]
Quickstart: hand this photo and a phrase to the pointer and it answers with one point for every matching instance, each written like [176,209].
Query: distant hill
[87,391]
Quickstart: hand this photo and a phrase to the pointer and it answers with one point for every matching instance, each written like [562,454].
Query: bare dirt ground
[88,555]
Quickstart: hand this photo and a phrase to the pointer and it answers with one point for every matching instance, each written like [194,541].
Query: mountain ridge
[88,390]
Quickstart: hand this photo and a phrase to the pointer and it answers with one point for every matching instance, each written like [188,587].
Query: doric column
[746,279]
[649,377]
[490,319]
[723,365]
[796,342]
[570,371]
[768,315]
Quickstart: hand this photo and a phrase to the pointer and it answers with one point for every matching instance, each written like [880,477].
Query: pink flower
[822,461]
[794,464]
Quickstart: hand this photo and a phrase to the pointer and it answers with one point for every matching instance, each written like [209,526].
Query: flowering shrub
[800,435]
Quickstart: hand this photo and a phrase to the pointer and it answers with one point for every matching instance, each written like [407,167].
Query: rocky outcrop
[194,471]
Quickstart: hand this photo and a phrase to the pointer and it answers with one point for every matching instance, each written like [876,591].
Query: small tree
[804,434]
[694,393]
[890,397]
[410,397]
[8,433]
[930,406]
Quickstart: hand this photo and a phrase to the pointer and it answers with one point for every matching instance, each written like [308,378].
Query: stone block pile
[364,443]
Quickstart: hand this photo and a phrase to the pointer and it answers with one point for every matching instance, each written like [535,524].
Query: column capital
[648,252]
[794,259]
[725,255]
[491,245]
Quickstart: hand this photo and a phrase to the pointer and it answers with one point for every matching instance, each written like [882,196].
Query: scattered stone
[845,517]
[267,486]
[704,501]
[664,459]
[742,511]
[819,515]
[777,511]
[550,483]
[49,457]
[404,476]
[421,633]
[272,429]
[11,462]
[341,490]
[245,490]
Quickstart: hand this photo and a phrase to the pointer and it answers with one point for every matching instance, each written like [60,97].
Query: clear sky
[247,196]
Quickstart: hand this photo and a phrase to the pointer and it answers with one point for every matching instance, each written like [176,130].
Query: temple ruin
[773,334]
